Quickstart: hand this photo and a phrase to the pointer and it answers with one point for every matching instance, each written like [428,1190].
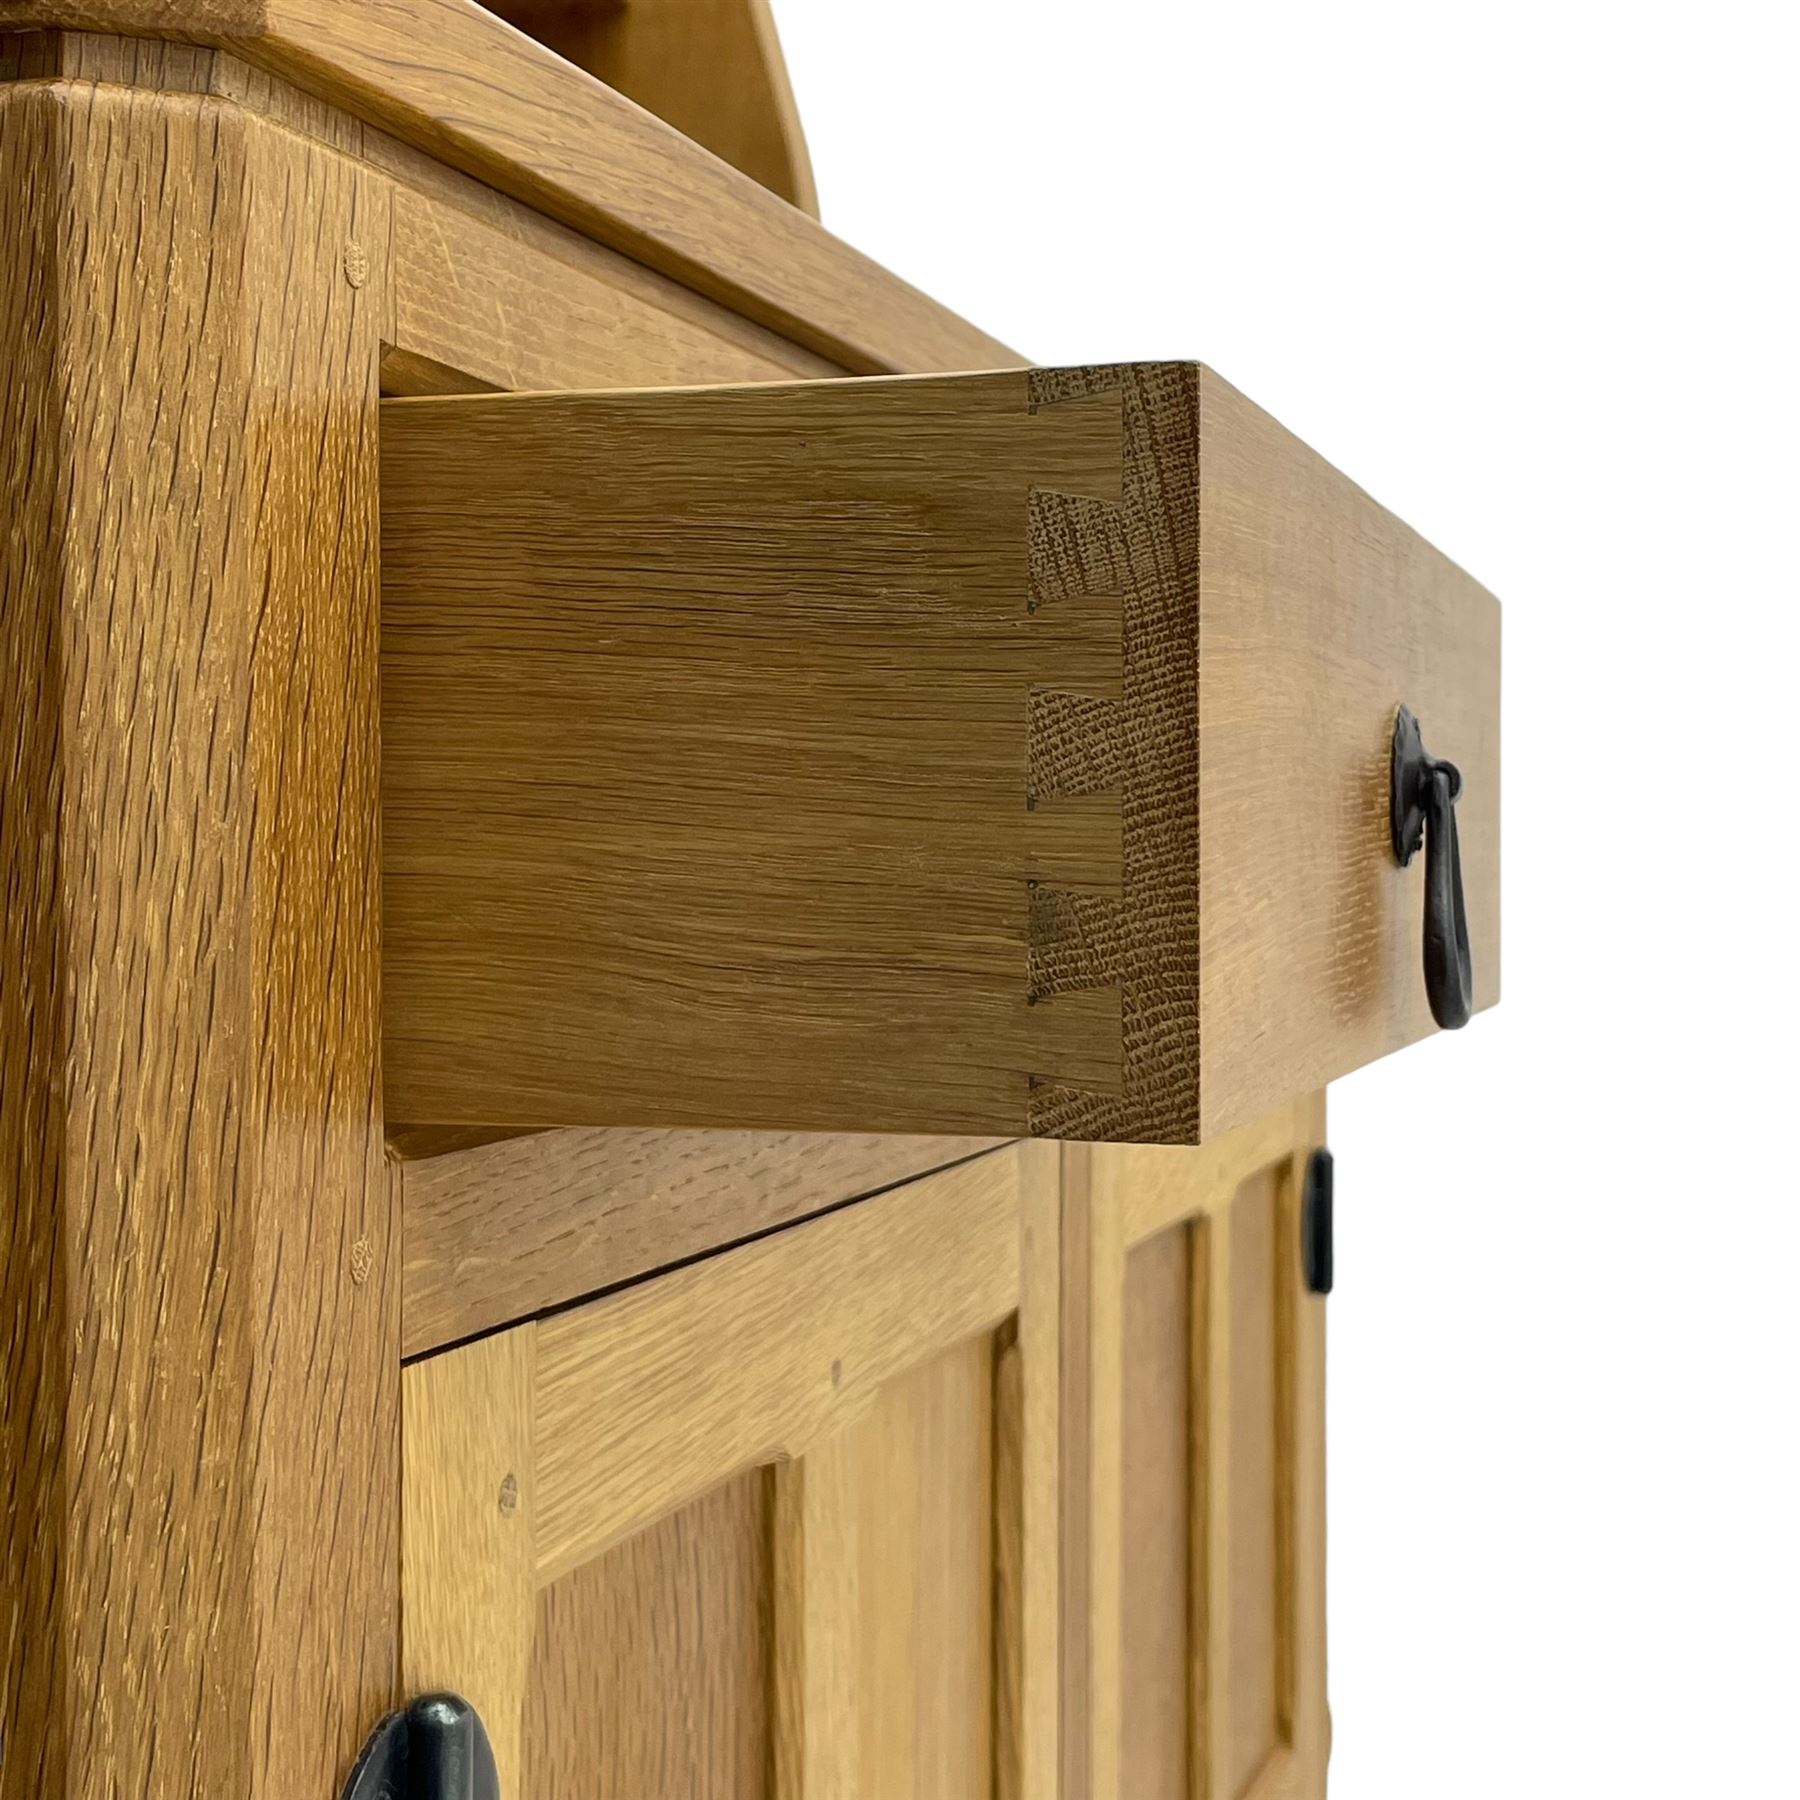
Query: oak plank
[468,1570]
[796,1335]
[712,68]
[1306,1721]
[200,1305]
[461,84]
[704,1619]
[1245,1564]
[504,1230]
[1154,1519]
[37,1383]
[1014,1579]
[1157,1185]
[1027,1741]
[1076,1471]
[884,1616]
[650,1666]
[510,300]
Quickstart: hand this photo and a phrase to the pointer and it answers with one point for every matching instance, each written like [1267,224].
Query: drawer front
[998,754]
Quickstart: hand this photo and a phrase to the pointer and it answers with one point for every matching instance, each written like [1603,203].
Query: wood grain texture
[1320,614]
[1155,1511]
[711,68]
[704,1622]
[885,1601]
[1156,1185]
[651,1665]
[917,1563]
[1028,1739]
[1014,1579]
[467,1573]
[450,78]
[1260,1716]
[499,298]
[796,854]
[848,761]
[1103,1627]
[201,1320]
[1245,1557]
[646,1398]
[501,1231]
[1202,1358]
[34,1035]
[485,293]
[1306,1721]
[1075,1474]
[1137,547]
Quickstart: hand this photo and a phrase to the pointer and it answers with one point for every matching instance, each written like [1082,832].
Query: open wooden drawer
[1001,753]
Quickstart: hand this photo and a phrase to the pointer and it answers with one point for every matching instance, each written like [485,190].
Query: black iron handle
[433,1749]
[1422,806]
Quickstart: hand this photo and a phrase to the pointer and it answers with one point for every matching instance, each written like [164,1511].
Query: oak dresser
[673,936]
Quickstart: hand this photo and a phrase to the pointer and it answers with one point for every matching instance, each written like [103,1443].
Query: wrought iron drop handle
[1422,806]
[433,1749]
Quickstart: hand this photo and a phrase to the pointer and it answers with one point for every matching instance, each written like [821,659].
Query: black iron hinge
[431,1749]
[1317,1251]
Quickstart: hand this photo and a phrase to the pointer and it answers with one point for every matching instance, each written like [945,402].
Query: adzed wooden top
[460,83]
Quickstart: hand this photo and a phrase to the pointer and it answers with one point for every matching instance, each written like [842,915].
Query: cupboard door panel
[650,1664]
[886,1602]
[778,1523]
[1201,1495]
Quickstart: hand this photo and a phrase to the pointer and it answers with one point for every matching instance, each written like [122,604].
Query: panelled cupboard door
[778,1523]
[1195,1641]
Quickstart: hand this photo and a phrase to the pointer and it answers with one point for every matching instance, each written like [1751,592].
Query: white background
[1526,272]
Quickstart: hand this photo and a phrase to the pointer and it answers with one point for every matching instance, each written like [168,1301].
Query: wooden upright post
[198,1304]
